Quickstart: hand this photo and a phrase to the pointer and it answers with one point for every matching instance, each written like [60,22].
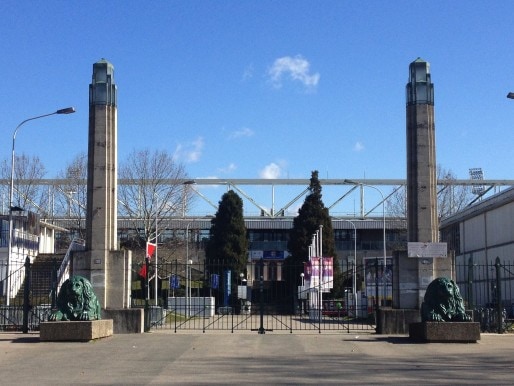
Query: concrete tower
[101,219]
[422,221]
[102,263]
[416,272]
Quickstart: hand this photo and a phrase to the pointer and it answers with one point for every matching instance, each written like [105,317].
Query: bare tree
[450,198]
[28,193]
[150,193]
[70,196]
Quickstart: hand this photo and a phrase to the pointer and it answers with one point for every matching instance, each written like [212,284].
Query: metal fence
[31,303]
[189,297]
[199,297]
[488,290]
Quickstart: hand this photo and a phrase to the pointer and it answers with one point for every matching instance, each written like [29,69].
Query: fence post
[470,283]
[54,285]
[147,288]
[499,312]
[26,296]
[376,291]
[261,305]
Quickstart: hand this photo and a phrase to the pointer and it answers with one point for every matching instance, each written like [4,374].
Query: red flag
[142,271]
[150,250]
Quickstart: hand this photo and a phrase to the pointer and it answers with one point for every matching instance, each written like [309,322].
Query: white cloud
[359,146]
[190,152]
[297,68]
[243,132]
[230,168]
[271,171]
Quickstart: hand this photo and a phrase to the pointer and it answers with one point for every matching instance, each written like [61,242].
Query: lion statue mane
[76,301]
[443,303]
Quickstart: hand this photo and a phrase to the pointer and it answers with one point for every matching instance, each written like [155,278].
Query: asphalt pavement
[248,358]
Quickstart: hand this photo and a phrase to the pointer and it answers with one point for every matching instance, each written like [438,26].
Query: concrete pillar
[422,217]
[102,263]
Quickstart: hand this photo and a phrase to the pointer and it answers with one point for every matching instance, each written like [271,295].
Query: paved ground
[164,357]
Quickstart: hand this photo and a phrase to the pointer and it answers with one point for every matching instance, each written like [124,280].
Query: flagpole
[156,258]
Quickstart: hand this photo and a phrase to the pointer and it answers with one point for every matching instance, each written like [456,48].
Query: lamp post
[354,269]
[68,110]
[384,229]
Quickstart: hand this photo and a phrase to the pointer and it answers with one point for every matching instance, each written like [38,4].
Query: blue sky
[263,89]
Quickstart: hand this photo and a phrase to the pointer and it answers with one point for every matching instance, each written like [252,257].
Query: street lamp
[354,270]
[68,110]
[384,227]
[510,95]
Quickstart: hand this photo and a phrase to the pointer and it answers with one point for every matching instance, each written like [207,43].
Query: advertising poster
[312,273]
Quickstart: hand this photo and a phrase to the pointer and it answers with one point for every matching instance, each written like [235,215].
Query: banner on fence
[215,281]
[312,273]
[174,281]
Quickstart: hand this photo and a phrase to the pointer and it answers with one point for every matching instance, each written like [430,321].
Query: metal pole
[67,110]
[261,300]
[384,230]
[156,258]
[320,240]
[187,288]
[499,313]
[26,296]
[354,269]
[147,295]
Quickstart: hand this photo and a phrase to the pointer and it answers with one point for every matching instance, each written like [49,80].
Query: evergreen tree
[311,215]
[227,248]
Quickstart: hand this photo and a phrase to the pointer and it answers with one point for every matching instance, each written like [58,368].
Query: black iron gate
[488,289]
[187,297]
[32,293]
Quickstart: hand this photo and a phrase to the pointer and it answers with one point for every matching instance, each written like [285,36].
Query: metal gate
[31,301]
[187,297]
[488,289]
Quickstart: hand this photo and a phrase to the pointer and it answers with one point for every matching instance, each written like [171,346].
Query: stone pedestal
[126,320]
[396,321]
[445,332]
[75,331]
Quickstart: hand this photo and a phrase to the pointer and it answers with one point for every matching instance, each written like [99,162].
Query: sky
[263,89]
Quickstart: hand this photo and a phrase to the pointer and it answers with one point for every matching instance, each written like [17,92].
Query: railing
[15,280]
[488,289]
[30,307]
[64,270]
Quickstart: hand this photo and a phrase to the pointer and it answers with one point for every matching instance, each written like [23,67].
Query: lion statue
[443,303]
[76,301]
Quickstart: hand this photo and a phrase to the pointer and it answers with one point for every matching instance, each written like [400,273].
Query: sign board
[427,250]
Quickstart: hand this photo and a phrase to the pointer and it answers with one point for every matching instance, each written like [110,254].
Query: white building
[31,237]
[480,236]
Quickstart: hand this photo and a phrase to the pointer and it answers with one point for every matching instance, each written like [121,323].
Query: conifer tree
[311,215]
[227,248]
